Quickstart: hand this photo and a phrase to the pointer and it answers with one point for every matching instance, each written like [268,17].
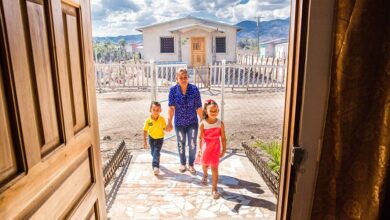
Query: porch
[171,194]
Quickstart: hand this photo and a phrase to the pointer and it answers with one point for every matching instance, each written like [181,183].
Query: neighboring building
[275,48]
[133,48]
[190,40]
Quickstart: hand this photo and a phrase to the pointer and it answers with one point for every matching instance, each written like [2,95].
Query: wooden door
[198,51]
[50,165]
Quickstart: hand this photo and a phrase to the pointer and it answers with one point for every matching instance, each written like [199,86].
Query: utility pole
[258,35]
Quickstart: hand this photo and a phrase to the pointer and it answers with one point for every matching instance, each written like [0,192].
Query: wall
[281,50]
[231,44]
[186,44]
[152,36]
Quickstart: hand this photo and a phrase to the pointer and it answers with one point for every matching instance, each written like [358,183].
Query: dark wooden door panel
[50,166]
[45,76]
[75,67]
[8,164]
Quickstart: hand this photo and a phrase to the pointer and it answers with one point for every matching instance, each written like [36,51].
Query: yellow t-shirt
[155,128]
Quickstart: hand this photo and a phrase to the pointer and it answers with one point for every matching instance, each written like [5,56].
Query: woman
[185,103]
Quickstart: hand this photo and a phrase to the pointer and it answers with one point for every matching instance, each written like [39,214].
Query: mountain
[269,30]
[128,38]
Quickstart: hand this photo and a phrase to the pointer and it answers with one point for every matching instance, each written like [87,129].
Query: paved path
[172,194]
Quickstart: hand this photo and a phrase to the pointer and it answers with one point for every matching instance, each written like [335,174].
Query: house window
[166,45]
[220,44]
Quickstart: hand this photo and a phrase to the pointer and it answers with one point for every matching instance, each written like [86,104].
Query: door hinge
[297,154]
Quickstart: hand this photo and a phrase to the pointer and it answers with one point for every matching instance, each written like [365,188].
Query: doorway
[198,51]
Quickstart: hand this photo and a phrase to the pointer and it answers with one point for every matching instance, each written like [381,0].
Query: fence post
[98,77]
[223,89]
[153,88]
[194,69]
[210,75]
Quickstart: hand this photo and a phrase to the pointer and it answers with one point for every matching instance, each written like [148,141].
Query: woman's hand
[199,153]
[169,127]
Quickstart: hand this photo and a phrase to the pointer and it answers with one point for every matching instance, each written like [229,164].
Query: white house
[275,48]
[189,40]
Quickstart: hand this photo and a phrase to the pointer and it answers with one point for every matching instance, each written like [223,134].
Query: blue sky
[122,17]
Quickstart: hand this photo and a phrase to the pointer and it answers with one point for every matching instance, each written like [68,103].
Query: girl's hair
[207,103]
[154,103]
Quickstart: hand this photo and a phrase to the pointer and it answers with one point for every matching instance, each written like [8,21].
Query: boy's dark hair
[207,103]
[154,103]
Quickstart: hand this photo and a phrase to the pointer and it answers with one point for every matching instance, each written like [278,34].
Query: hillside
[115,39]
[269,30]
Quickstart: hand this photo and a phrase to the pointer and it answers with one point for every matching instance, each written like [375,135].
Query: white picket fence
[264,73]
[256,60]
[269,73]
[135,75]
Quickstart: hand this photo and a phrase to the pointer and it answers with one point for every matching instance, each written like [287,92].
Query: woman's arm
[198,104]
[171,111]
[223,140]
[199,111]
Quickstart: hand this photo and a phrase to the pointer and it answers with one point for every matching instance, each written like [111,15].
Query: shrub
[273,149]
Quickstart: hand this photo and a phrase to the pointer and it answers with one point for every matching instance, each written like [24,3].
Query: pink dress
[211,143]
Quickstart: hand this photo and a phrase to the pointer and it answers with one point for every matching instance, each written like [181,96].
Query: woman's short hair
[181,71]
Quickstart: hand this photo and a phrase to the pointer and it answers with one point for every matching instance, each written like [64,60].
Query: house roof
[276,41]
[202,22]
[188,27]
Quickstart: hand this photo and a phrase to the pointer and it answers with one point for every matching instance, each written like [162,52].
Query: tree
[122,46]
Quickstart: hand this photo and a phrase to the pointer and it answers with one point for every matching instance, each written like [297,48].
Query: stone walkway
[172,194]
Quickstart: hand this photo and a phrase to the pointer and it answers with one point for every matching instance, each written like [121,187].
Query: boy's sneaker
[156,171]
[182,168]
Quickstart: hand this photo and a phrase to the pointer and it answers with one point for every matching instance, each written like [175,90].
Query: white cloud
[121,17]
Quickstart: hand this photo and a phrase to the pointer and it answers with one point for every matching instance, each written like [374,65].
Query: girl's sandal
[216,195]
[204,181]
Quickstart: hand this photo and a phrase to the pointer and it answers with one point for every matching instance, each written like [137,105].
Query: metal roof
[201,20]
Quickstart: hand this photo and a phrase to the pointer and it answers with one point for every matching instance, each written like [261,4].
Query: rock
[107,138]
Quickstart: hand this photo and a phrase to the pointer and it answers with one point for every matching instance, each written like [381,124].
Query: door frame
[308,82]
[191,52]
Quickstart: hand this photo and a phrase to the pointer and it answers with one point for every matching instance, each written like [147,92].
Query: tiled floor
[172,194]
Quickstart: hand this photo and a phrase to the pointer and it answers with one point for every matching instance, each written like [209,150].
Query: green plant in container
[273,149]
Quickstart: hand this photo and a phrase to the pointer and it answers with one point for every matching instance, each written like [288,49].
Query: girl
[211,135]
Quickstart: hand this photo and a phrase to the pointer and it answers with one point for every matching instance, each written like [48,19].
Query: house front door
[198,51]
[50,166]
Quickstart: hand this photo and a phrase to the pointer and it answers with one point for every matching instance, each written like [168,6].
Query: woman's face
[182,79]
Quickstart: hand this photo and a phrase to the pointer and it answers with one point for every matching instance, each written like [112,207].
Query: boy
[155,126]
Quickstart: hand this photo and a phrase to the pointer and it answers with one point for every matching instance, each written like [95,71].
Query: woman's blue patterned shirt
[185,105]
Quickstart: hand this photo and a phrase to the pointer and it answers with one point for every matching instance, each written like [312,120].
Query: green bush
[274,150]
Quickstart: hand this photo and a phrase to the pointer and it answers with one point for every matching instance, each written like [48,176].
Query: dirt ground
[248,116]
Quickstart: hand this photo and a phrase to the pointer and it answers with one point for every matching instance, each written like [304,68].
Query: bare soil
[248,116]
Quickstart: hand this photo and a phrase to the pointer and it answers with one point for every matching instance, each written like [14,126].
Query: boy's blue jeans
[189,132]
[155,148]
